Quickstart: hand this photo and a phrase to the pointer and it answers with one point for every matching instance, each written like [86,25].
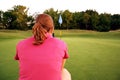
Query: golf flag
[60,19]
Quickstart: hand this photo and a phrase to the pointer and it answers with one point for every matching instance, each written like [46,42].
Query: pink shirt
[41,62]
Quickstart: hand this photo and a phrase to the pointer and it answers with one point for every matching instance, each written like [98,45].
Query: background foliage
[18,18]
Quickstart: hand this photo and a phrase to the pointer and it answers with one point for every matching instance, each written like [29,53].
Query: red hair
[44,24]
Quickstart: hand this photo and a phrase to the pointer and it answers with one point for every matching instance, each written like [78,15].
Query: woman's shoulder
[22,41]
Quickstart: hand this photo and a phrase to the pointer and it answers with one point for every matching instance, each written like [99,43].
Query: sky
[101,6]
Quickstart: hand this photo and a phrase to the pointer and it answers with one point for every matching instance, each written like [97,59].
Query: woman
[42,57]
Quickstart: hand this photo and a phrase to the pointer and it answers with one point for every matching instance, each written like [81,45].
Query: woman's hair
[44,24]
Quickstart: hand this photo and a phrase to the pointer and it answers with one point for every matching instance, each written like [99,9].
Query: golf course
[93,55]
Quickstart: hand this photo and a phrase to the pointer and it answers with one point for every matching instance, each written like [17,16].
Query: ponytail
[39,34]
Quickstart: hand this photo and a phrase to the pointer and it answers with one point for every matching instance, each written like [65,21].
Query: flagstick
[60,32]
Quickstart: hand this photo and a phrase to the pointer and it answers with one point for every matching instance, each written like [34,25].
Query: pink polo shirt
[41,62]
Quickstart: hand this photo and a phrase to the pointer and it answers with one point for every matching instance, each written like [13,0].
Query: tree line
[18,18]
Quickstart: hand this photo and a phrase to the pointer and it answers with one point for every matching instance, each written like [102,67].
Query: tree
[86,18]
[94,19]
[67,18]
[21,14]
[8,19]
[16,18]
[104,22]
[1,19]
[1,16]
[115,22]
[30,22]
[77,19]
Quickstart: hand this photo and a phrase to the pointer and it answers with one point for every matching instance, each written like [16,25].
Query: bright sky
[101,6]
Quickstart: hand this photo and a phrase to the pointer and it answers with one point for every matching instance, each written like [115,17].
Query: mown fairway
[93,55]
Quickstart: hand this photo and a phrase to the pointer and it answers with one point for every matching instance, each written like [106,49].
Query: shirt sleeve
[66,55]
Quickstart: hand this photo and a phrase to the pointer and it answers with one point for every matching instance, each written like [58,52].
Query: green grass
[93,55]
